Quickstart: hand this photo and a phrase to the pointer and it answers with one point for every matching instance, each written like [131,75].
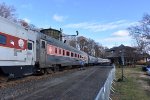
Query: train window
[37,42]
[71,54]
[43,44]
[78,55]
[29,46]
[63,52]
[2,39]
[55,50]
[75,55]
[68,53]
[59,51]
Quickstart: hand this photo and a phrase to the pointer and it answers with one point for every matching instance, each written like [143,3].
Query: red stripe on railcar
[14,42]
[54,50]
[50,49]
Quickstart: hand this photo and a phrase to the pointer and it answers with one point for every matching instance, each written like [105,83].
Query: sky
[105,21]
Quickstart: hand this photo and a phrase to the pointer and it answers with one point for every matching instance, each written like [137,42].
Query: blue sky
[104,21]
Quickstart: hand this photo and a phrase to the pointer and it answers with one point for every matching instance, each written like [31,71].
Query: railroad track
[6,82]
[23,85]
[3,79]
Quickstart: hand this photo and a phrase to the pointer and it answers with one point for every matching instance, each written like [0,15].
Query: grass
[130,88]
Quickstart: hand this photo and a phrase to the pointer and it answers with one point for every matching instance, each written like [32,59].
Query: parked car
[144,68]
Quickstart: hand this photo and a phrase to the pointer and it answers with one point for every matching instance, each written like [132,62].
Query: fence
[104,92]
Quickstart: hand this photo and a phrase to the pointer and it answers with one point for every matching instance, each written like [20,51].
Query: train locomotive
[24,51]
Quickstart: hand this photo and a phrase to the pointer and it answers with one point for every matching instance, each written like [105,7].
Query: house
[145,59]
[123,55]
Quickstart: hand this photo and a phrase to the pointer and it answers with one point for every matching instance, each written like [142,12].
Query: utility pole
[70,35]
[123,63]
[122,59]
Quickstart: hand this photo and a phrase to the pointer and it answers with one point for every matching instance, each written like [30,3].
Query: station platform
[79,85]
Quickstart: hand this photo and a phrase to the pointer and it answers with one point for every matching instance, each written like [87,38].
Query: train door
[30,53]
[42,53]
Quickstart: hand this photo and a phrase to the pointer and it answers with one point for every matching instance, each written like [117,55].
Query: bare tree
[141,33]
[82,43]
[97,50]
[89,46]
[23,23]
[7,12]
[104,52]
[73,42]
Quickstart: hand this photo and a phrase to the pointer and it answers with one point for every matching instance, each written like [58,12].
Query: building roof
[122,47]
[118,51]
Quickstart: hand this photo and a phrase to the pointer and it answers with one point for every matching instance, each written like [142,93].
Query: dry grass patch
[134,87]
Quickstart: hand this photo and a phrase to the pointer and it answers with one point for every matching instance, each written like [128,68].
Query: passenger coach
[25,52]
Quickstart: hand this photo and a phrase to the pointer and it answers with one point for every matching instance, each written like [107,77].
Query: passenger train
[24,51]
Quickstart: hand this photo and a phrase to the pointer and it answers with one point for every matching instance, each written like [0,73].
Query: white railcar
[14,42]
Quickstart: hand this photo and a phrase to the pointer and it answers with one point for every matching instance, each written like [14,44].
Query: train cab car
[53,53]
[17,49]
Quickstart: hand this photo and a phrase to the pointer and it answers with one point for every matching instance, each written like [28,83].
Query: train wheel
[70,67]
[49,71]
[43,71]
[56,68]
